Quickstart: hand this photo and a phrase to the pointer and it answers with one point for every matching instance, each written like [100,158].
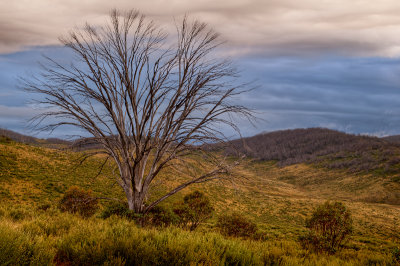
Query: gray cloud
[281,27]
[320,63]
[357,95]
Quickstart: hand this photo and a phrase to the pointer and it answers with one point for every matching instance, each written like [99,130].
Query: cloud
[274,27]
[356,95]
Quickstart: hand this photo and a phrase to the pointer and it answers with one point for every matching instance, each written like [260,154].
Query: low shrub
[396,255]
[5,139]
[195,209]
[160,216]
[77,200]
[17,248]
[119,242]
[236,225]
[119,209]
[329,227]
[44,207]
[19,214]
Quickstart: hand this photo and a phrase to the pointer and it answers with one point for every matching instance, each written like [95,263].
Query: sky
[317,63]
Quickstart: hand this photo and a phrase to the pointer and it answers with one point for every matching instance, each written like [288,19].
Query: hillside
[392,139]
[49,142]
[324,147]
[277,198]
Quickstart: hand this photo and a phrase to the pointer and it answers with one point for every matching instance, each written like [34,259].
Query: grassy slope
[278,199]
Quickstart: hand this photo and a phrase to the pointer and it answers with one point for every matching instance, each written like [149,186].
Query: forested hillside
[325,147]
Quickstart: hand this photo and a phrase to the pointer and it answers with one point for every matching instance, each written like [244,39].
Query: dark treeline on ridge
[29,139]
[330,148]
[326,147]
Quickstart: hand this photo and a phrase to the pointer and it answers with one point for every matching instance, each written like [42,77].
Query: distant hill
[392,139]
[324,147]
[330,148]
[32,140]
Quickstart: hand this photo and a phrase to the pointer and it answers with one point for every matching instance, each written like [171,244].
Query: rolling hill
[49,142]
[327,148]
[277,192]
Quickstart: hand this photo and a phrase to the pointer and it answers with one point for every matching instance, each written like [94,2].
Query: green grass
[277,199]
[51,237]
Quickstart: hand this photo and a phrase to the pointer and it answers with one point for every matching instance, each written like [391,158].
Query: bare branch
[146,104]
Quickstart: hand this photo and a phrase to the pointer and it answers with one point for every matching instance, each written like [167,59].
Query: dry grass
[277,199]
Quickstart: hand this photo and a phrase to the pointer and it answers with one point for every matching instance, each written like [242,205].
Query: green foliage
[55,237]
[396,255]
[77,200]
[236,225]
[5,139]
[329,227]
[18,213]
[195,209]
[116,240]
[44,206]
[19,249]
[160,216]
[119,209]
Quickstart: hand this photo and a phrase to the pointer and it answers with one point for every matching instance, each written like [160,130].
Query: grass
[51,237]
[278,199]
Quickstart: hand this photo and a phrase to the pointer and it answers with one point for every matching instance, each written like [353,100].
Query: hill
[392,139]
[325,147]
[277,198]
[50,142]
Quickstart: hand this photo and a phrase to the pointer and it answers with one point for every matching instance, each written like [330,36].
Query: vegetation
[11,135]
[77,200]
[53,237]
[5,139]
[117,208]
[195,209]
[329,227]
[325,147]
[277,199]
[236,225]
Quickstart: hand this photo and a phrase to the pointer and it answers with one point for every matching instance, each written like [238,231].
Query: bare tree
[148,103]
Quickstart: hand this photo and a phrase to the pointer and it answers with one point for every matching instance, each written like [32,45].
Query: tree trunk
[135,200]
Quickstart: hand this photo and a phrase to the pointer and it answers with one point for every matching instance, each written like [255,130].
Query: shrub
[160,216]
[5,139]
[17,248]
[77,200]
[44,206]
[396,255]
[329,226]
[236,225]
[19,214]
[119,209]
[195,209]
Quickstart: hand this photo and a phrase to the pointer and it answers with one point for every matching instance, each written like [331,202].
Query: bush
[44,206]
[236,225]
[5,139]
[119,209]
[329,227]
[17,248]
[160,216]
[195,209]
[396,255]
[19,214]
[77,200]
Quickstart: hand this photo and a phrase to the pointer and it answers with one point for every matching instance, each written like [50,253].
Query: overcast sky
[319,63]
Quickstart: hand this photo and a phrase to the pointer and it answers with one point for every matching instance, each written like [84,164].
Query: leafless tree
[148,103]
